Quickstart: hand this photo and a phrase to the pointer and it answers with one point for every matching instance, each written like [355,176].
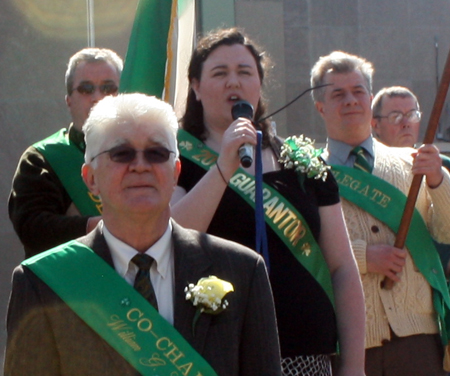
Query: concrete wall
[398,37]
[38,36]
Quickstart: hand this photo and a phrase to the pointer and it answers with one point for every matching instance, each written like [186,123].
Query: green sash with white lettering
[116,311]
[280,214]
[386,203]
[66,160]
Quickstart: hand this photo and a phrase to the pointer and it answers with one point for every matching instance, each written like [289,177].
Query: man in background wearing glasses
[396,116]
[49,203]
[73,310]
[396,122]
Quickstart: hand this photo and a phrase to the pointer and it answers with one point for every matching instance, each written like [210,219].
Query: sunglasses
[88,89]
[127,154]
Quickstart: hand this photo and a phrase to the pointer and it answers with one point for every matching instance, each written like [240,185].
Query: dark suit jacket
[46,338]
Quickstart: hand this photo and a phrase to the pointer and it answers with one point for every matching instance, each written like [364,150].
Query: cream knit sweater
[408,307]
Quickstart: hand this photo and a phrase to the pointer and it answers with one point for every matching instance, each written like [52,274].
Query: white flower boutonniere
[300,154]
[208,296]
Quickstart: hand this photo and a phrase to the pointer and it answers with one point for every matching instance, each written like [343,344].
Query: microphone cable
[292,101]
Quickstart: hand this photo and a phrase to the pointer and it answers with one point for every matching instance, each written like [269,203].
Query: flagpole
[90,23]
[430,134]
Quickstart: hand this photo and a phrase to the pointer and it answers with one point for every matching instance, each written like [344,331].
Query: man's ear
[374,123]
[177,171]
[68,101]
[320,108]
[87,173]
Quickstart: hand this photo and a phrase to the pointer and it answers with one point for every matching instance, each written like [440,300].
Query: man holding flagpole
[403,323]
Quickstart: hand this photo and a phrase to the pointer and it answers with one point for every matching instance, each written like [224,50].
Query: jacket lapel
[96,241]
[191,264]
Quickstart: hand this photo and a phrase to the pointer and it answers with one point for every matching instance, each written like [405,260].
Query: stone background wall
[407,41]
[398,37]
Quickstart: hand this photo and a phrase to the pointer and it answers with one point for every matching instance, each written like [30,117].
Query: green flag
[159,50]
[145,62]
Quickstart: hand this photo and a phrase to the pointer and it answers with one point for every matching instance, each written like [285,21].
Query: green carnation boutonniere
[300,154]
[208,296]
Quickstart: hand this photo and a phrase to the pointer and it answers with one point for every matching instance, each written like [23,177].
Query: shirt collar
[77,137]
[122,253]
[338,152]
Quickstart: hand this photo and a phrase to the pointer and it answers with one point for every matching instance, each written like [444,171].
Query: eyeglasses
[127,154]
[396,117]
[87,89]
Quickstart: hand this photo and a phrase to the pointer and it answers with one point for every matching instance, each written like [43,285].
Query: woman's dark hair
[192,120]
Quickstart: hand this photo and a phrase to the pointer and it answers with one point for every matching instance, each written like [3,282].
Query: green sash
[66,160]
[280,214]
[116,311]
[386,203]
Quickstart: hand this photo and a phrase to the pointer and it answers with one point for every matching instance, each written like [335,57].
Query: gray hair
[338,62]
[91,55]
[125,109]
[391,92]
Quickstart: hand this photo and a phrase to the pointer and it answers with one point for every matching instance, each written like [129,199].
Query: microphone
[244,109]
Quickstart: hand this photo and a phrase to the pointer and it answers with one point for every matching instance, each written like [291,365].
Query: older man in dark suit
[72,311]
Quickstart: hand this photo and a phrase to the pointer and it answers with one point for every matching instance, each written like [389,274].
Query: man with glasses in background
[49,203]
[396,116]
[396,122]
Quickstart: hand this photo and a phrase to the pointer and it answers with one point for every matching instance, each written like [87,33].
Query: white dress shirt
[161,272]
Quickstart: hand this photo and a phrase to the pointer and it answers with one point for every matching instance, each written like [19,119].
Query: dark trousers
[418,355]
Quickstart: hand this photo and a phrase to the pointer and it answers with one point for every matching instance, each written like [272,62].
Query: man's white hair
[123,110]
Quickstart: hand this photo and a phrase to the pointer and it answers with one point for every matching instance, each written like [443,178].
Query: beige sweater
[408,307]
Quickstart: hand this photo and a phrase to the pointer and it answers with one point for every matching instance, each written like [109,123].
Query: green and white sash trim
[386,203]
[117,312]
[279,213]
[66,160]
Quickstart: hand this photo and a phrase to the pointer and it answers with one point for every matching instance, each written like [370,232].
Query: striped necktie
[361,162]
[142,281]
